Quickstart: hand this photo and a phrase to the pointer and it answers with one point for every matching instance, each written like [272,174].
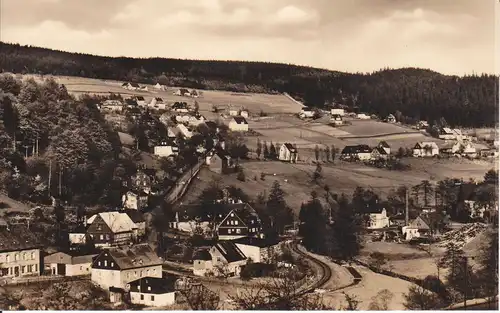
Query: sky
[448,36]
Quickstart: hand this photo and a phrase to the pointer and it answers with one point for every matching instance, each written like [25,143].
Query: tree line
[409,93]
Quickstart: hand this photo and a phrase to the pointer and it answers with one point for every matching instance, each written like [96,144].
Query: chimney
[406,208]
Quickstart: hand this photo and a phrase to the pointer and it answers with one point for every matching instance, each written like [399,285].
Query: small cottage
[288,153]
[357,152]
[68,264]
[152,291]
[239,124]
[425,149]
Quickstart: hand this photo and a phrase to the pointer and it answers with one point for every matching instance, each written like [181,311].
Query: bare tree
[200,298]
[381,301]
[352,302]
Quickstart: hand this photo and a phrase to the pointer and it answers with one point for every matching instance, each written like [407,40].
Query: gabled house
[336,120]
[377,217]
[384,145]
[19,252]
[117,267]
[182,92]
[219,161]
[422,125]
[68,264]
[426,225]
[306,112]
[390,118]
[111,229]
[233,112]
[363,116]
[357,152]
[143,179]
[244,113]
[202,263]
[238,123]
[184,131]
[111,106]
[157,103]
[259,250]
[340,112]
[195,120]
[379,153]
[152,291]
[140,101]
[180,107]
[425,149]
[241,221]
[135,200]
[131,86]
[166,149]
[138,218]
[159,87]
[227,259]
[288,153]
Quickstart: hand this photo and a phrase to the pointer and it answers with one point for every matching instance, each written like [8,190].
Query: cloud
[451,36]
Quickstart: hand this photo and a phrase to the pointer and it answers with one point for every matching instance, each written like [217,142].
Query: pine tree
[279,212]
[266,151]
[272,152]
[316,153]
[259,148]
[327,154]
[313,225]
[346,231]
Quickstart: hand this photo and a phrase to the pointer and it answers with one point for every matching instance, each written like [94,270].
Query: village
[125,252]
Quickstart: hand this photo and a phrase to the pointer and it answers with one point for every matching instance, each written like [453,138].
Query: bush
[257,270]
[241,175]
[434,284]
[262,176]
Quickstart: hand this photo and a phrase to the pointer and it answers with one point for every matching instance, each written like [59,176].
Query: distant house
[184,221]
[138,218]
[306,112]
[152,291]
[244,113]
[165,119]
[143,179]
[180,107]
[182,118]
[140,101]
[471,200]
[182,92]
[65,264]
[238,123]
[233,112]
[19,252]
[446,133]
[336,120]
[194,93]
[186,133]
[390,118]
[340,112]
[144,88]
[379,153]
[363,116]
[159,87]
[202,263]
[219,161]
[157,103]
[288,153]
[357,152]
[135,200]
[425,149]
[196,120]
[463,148]
[131,86]
[111,106]
[227,259]
[424,225]
[111,229]
[241,221]
[259,250]
[378,217]
[166,149]
[117,267]
[212,127]
[422,125]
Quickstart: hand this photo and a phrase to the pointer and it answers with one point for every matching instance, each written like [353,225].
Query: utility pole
[465,282]
[50,175]
[407,217]
[60,181]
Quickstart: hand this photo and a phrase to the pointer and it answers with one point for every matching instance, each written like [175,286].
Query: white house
[384,145]
[65,264]
[336,120]
[306,112]
[157,103]
[159,87]
[202,263]
[186,133]
[152,291]
[166,149]
[378,218]
[135,200]
[111,106]
[182,92]
[144,88]
[238,123]
[259,250]
[196,120]
[363,116]
[357,152]
[447,134]
[340,112]
[131,86]
[19,252]
[118,267]
[288,153]
[111,229]
[181,107]
[244,113]
[233,112]
[226,259]
[390,118]
[182,118]
[425,149]
[140,101]
[422,125]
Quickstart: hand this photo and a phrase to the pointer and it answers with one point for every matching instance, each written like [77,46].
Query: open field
[251,101]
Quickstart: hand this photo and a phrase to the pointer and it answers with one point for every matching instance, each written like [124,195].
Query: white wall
[340,112]
[19,259]
[78,269]
[106,278]
[250,252]
[159,299]
[164,151]
[201,267]
[365,156]
[238,127]
[77,238]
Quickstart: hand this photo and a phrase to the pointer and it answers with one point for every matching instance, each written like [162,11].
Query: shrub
[262,176]
[241,176]
[257,270]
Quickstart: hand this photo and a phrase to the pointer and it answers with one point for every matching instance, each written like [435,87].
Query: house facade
[227,259]
[363,116]
[184,131]
[220,162]
[135,200]
[390,118]
[378,219]
[180,107]
[64,264]
[336,120]
[425,149]
[288,153]
[241,221]
[379,153]
[111,229]
[19,252]
[152,291]
[111,106]
[306,112]
[202,263]
[238,124]
[166,149]
[358,152]
[340,112]
[117,267]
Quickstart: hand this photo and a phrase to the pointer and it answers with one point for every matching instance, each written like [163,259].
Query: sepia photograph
[269,155]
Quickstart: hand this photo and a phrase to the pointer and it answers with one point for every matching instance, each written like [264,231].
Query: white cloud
[291,15]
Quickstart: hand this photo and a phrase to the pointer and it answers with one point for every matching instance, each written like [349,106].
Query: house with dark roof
[240,221]
[140,100]
[379,153]
[157,103]
[181,107]
[68,264]
[152,291]
[384,145]
[227,259]
[182,92]
[111,229]
[166,148]
[131,86]
[19,252]
[390,118]
[238,124]
[425,225]
[219,161]
[288,153]
[425,149]
[117,267]
[202,263]
[138,218]
[377,216]
[259,250]
[356,152]
[336,120]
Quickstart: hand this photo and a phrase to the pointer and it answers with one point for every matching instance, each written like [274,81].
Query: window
[23,269]
[30,268]
[154,271]
[105,263]
[142,272]
[99,227]
[149,288]
[99,263]
[238,231]
[16,257]
[135,273]
[152,298]
[112,264]
[24,256]
[108,237]
[7,258]
[147,272]
[102,237]
[142,297]
[81,268]
[229,231]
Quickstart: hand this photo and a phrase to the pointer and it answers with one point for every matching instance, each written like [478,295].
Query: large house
[377,217]
[259,250]
[117,267]
[462,148]
[379,153]
[68,264]
[140,101]
[166,149]
[219,161]
[152,291]
[340,112]
[111,229]
[19,252]
[184,131]
[446,133]
[157,103]
[238,123]
[181,107]
[225,259]
[358,152]
[135,200]
[241,221]
[288,153]
[425,149]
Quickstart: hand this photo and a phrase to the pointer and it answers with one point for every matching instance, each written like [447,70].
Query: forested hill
[468,101]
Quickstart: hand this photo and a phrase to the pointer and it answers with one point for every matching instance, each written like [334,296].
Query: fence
[41,279]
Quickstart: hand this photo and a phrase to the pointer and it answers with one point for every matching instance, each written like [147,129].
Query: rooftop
[141,255]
